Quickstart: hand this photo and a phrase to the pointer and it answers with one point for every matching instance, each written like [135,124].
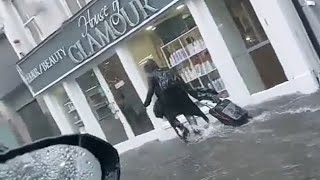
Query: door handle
[309,3]
[113,108]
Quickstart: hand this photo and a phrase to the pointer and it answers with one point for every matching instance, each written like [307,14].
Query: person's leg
[191,120]
[173,125]
[176,124]
[204,117]
[193,123]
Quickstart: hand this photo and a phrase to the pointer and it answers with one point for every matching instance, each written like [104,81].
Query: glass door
[125,95]
[103,109]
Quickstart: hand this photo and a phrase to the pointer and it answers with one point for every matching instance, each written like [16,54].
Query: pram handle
[205,94]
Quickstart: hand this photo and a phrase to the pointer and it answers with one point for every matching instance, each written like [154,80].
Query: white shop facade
[90,71]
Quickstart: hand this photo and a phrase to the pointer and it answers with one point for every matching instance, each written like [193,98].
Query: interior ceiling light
[185,16]
[150,28]
[180,6]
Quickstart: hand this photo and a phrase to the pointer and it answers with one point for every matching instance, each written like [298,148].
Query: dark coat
[173,101]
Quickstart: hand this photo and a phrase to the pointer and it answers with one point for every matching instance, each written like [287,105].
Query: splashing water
[306,109]
[264,116]
[215,130]
[219,130]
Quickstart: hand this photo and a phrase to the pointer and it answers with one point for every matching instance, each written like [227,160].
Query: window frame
[29,23]
[80,4]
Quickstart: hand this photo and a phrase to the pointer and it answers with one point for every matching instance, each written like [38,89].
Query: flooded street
[95,74]
[281,142]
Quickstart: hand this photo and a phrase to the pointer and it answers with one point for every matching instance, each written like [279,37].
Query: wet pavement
[282,142]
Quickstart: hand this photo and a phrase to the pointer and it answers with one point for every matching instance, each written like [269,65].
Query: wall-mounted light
[185,16]
[149,28]
[180,7]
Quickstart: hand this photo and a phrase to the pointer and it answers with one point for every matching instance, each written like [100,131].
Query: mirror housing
[104,153]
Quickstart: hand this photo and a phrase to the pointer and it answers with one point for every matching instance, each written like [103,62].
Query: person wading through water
[173,99]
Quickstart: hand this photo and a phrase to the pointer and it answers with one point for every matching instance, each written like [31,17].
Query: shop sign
[95,29]
[119,84]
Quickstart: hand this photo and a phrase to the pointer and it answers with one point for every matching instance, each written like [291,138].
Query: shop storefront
[256,47]
[90,71]
[174,41]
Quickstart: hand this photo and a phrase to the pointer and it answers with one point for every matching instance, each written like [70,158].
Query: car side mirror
[80,157]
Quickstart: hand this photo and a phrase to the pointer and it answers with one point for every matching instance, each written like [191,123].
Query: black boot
[185,131]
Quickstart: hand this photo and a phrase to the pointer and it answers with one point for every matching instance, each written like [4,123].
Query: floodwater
[281,143]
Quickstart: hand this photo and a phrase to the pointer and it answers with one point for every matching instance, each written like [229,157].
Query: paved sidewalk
[282,142]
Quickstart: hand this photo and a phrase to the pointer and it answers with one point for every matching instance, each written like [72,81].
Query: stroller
[225,110]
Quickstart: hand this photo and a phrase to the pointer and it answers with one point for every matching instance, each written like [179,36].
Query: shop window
[76,5]
[174,27]
[9,137]
[68,109]
[247,23]
[36,122]
[49,117]
[248,43]
[174,41]
[29,22]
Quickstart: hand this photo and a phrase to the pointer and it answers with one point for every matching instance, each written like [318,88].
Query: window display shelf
[188,57]
[79,123]
[104,117]
[183,48]
[71,111]
[70,107]
[90,89]
[99,105]
[188,81]
[68,103]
